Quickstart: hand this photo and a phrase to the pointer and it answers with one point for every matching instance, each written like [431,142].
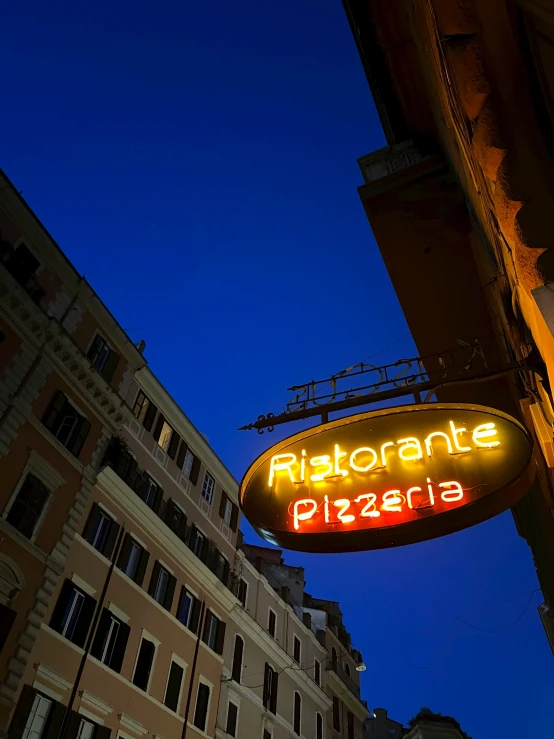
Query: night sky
[197,162]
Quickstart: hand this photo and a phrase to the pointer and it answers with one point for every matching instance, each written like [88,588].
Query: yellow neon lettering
[455,433]
[361,450]
[323,461]
[411,443]
[278,466]
[456,491]
[392,501]
[338,456]
[326,508]
[383,452]
[303,466]
[409,496]
[484,431]
[371,500]
[429,443]
[344,505]
[305,515]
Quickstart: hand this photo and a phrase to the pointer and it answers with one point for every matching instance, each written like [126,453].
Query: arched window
[236,673]
[318,726]
[334,658]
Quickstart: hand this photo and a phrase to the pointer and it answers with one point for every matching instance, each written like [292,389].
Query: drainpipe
[92,633]
[193,669]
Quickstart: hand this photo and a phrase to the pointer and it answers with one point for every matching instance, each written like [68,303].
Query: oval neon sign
[388,478]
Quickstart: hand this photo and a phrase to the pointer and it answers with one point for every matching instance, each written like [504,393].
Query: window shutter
[222,504]
[110,540]
[173,444]
[120,647]
[110,367]
[181,456]
[180,601]
[54,409]
[207,622]
[79,440]
[141,569]
[102,732]
[101,631]
[171,699]
[195,469]
[154,578]
[54,722]
[170,592]
[73,724]
[274,684]
[61,604]
[158,499]
[125,551]
[7,617]
[149,416]
[267,678]
[92,523]
[84,621]
[195,616]
[234,518]
[220,639]
[22,711]
[158,427]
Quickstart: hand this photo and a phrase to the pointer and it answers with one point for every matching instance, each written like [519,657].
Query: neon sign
[388,477]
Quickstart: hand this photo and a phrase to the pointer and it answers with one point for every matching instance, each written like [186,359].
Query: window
[173,689]
[228,511]
[318,726]
[73,613]
[236,672]
[334,660]
[221,570]
[38,716]
[175,518]
[110,640]
[208,487]
[133,559]
[317,672]
[68,425]
[101,531]
[267,734]
[269,697]
[214,633]
[86,729]
[347,668]
[188,459]
[232,716]
[144,410]
[151,493]
[202,706]
[143,667]
[198,544]
[297,712]
[296,649]
[102,358]
[242,592]
[188,610]
[162,586]
[272,623]
[350,724]
[26,510]
[162,433]
[7,617]
[336,713]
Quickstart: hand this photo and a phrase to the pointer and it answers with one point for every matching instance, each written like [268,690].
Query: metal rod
[193,668]
[92,632]
[388,395]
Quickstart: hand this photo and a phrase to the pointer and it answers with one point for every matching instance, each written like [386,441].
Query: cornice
[47,337]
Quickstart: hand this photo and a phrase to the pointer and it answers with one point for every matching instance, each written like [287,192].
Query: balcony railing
[119,459]
[346,678]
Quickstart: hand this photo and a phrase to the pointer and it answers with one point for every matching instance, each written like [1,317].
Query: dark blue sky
[197,162]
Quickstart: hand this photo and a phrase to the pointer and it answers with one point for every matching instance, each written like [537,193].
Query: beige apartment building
[129,606]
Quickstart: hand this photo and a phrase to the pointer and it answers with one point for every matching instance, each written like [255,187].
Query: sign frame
[428,527]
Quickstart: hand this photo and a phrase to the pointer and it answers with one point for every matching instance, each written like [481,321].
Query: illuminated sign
[388,477]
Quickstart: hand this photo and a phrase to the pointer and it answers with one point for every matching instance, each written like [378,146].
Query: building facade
[129,606]
[461,202]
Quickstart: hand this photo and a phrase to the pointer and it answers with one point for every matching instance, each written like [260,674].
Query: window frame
[317,672]
[236,704]
[318,725]
[146,402]
[233,676]
[36,700]
[186,469]
[29,471]
[98,335]
[297,641]
[146,636]
[244,603]
[296,695]
[274,634]
[210,497]
[203,681]
[184,666]
[76,431]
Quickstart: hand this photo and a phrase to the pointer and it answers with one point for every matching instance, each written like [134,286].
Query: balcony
[120,460]
[346,679]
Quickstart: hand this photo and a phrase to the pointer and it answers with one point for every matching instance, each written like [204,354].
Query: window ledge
[27,544]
